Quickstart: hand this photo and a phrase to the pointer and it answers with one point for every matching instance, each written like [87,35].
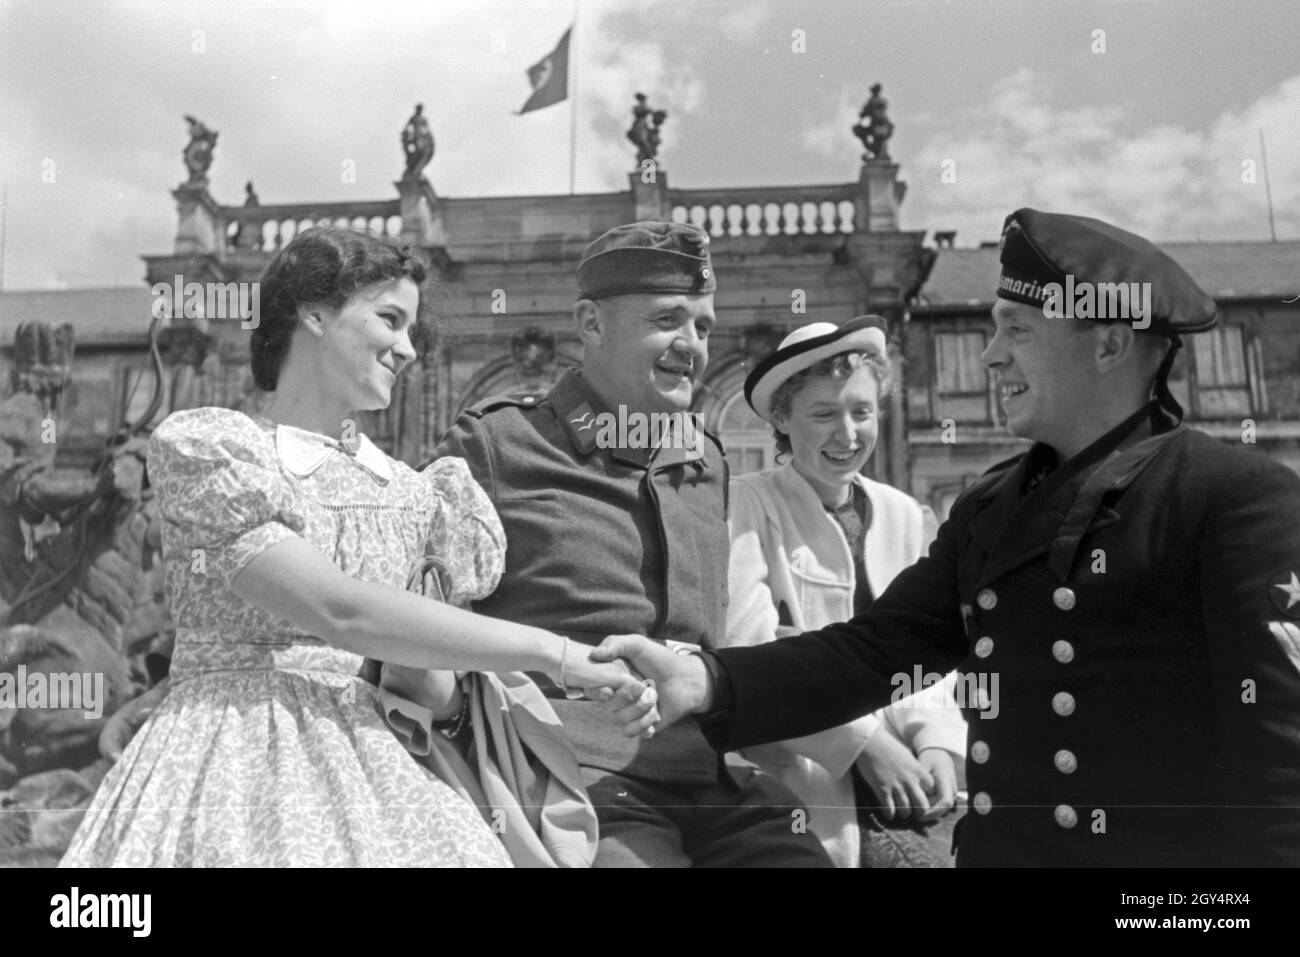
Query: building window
[746,438]
[961,389]
[1222,375]
[222,384]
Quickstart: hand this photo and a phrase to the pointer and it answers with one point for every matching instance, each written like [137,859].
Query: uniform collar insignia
[577,406]
[583,413]
[303,452]
[580,422]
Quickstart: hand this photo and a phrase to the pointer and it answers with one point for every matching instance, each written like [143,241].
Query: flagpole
[573,96]
[1268,192]
[4,219]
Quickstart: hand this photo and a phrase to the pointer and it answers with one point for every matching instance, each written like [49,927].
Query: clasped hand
[618,688]
[641,684]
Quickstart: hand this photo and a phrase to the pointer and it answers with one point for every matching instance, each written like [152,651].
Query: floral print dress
[269,750]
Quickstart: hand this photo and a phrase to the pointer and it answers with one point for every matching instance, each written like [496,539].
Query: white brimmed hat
[807,346]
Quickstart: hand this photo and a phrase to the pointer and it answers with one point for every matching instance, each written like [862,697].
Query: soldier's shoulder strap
[497,403]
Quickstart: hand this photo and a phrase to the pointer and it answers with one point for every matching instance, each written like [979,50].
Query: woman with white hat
[813,542]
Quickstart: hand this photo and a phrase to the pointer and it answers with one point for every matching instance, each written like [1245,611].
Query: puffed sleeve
[465,533]
[219,488]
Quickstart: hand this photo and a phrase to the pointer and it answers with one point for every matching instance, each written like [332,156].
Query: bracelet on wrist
[454,727]
[573,694]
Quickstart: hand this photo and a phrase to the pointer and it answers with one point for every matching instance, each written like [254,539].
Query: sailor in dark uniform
[1123,600]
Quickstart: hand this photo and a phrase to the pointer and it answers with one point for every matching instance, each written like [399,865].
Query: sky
[1146,113]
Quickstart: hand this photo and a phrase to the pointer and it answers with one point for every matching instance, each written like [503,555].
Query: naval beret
[803,349]
[1053,256]
[647,257]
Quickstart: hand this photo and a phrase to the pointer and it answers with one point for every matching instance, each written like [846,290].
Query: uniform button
[983,803]
[1063,598]
[1063,703]
[1066,816]
[982,699]
[1063,652]
[987,599]
[984,647]
[1066,762]
[979,752]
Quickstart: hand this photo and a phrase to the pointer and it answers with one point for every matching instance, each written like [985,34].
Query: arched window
[746,438]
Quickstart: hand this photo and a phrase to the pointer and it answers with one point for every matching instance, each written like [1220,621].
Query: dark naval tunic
[1139,606]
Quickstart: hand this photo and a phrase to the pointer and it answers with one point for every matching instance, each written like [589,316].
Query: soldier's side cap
[647,257]
[1042,248]
[803,349]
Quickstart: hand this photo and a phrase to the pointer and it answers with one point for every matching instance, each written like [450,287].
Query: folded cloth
[522,775]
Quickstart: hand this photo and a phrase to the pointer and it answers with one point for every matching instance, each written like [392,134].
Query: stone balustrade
[481,226]
[268,228]
[769,211]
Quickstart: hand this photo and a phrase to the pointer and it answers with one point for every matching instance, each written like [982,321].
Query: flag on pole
[550,77]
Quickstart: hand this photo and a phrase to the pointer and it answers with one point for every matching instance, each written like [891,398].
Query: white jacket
[785,548]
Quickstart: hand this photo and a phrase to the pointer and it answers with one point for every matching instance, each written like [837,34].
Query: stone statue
[198,152]
[873,127]
[240,236]
[533,353]
[417,144]
[79,588]
[644,133]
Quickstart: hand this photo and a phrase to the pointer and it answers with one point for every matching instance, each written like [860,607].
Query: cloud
[622,69]
[743,22]
[295,90]
[832,136]
[1167,181]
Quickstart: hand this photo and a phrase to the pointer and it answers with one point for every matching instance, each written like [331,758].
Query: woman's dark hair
[842,365]
[326,265]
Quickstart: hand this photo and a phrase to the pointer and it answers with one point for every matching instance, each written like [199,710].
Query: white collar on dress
[303,452]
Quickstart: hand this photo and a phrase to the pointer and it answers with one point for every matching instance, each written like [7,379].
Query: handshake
[661,683]
[643,685]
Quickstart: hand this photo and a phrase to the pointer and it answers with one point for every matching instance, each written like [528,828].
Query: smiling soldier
[1135,584]
[631,537]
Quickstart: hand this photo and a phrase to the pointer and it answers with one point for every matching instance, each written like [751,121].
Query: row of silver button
[1064,759]
[1063,598]
[1062,703]
[1062,650]
[1065,815]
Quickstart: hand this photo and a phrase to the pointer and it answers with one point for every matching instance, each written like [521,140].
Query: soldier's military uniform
[627,538]
[1138,605]
[603,541]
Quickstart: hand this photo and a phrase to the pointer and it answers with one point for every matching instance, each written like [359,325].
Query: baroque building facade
[503,297]
[501,309]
